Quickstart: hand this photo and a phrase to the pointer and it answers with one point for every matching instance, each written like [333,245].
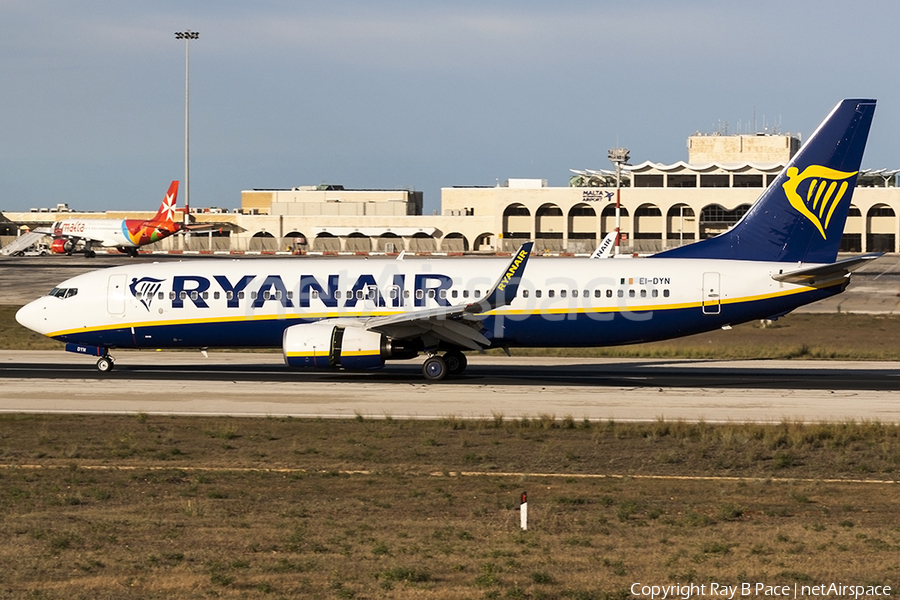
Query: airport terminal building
[661,206]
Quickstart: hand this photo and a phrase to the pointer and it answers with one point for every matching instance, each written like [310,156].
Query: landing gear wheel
[456,362]
[105,364]
[89,254]
[434,368]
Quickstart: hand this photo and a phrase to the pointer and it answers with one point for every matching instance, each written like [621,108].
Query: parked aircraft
[356,314]
[126,235]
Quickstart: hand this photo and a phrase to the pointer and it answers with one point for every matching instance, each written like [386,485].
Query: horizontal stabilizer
[822,273]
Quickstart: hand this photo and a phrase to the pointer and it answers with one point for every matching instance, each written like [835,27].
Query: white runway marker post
[523,512]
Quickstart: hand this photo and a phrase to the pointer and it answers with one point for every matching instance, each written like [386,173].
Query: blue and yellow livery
[357,314]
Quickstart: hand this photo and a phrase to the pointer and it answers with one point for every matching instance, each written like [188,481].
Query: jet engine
[325,345]
[61,246]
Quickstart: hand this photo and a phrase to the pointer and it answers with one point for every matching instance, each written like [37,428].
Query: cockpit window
[63,292]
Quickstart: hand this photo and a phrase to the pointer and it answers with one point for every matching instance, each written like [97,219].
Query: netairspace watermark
[744,590]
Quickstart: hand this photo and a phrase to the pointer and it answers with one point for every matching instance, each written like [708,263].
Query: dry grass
[161,507]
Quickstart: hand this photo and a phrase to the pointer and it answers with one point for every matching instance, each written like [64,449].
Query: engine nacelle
[61,246]
[310,346]
[324,345]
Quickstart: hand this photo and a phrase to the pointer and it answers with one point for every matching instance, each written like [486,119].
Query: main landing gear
[105,363]
[436,368]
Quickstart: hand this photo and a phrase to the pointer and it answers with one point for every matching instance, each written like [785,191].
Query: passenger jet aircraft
[126,235]
[356,314]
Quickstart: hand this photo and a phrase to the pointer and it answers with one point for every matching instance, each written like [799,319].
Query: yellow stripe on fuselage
[378,313]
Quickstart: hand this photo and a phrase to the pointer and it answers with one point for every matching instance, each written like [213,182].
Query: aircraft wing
[457,324]
[823,273]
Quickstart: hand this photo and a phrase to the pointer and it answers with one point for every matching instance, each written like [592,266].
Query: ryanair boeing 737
[356,314]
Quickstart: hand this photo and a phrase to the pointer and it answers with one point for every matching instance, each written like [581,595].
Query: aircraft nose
[33,316]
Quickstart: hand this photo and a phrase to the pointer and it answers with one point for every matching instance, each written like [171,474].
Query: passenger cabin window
[524,293]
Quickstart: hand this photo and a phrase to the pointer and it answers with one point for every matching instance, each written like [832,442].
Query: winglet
[606,246]
[506,288]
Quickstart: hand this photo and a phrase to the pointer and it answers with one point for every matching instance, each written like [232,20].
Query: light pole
[187,36]
[618,157]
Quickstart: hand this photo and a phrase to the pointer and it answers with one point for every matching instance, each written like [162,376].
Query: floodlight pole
[187,36]
[618,157]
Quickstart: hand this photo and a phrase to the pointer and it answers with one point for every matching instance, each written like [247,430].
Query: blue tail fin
[801,215]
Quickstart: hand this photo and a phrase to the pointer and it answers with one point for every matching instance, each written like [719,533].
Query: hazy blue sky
[410,94]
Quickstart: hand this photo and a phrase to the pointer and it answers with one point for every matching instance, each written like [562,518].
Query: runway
[259,384]
[619,389]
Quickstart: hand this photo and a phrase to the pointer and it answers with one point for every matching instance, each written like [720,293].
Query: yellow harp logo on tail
[823,192]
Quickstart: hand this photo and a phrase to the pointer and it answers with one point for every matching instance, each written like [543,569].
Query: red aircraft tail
[166,212]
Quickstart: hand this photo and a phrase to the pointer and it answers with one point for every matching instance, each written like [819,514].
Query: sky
[410,94]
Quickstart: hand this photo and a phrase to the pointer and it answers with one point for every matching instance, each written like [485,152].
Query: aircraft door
[115,294]
[711,295]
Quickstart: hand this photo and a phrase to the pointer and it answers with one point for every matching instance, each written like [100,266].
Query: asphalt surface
[259,385]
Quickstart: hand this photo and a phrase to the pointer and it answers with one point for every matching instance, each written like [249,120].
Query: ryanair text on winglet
[513,268]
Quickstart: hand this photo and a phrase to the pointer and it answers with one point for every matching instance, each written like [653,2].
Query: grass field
[176,507]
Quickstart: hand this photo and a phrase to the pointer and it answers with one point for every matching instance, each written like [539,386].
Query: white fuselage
[560,302]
